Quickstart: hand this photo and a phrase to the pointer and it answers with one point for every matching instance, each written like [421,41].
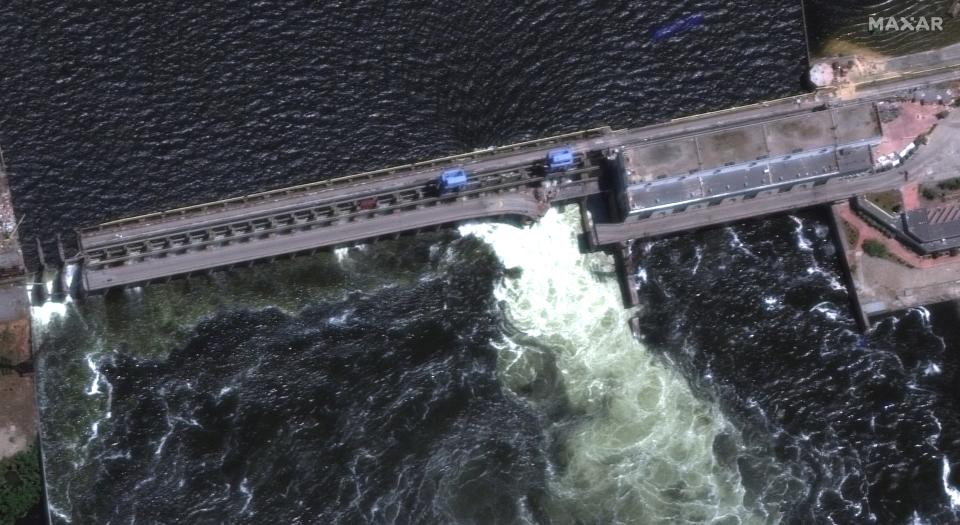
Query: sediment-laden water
[849,22]
[485,375]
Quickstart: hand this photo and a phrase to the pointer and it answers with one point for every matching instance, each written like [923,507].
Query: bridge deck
[733,211]
[521,204]
[326,213]
[496,158]
[299,197]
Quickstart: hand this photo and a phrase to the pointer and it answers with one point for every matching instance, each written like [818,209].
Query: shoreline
[836,46]
[19,420]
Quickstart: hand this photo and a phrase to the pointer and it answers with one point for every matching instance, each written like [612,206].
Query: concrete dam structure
[631,184]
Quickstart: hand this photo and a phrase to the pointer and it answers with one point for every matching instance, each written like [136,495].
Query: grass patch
[20,488]
[875,248]
[888,201]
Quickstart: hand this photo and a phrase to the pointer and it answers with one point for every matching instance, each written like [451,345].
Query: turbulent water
[865,428]
[485,375]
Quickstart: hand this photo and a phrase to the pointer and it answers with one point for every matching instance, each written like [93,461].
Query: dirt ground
[914,120]
[18,419]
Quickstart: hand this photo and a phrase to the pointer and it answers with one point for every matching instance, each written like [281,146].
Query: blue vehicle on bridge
[451,180]
[560,159]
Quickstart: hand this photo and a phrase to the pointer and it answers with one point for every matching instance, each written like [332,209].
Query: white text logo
[905,23]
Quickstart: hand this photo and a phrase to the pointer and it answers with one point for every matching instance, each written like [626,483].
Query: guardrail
[319,222]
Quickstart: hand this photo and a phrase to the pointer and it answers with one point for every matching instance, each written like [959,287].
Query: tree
[874,248]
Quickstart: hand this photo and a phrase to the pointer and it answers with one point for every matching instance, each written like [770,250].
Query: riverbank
[19,459]
[838,47]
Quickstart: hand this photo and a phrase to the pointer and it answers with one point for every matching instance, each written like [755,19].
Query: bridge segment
[808,141]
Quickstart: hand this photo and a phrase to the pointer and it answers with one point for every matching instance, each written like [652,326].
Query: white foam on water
[924,314]
[948,489]
[95,384]
[642,275]
[58,513]
[832,279]
[94,432]
[827,309]
[70,274]
[737,243]
[643,449]
[246,491]
[772,303]
[802,241]
[45,313]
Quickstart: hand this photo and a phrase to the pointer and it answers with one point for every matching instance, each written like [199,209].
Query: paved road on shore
[880,89]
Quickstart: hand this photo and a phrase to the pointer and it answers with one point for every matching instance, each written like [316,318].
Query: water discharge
[641,446]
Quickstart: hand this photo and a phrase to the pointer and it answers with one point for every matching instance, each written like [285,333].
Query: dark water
[756,318]
[379,408]
[372,397]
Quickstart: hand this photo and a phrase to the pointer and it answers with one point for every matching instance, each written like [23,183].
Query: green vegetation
[875,248]
[7,351]
[941,190]
[943,114]
[950,184]
[852,234]
[20,486]
[888,201]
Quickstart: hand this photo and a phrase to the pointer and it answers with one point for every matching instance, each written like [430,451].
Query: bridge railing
[103,258]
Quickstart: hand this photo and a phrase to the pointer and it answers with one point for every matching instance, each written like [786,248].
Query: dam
[685,174]
[635,176]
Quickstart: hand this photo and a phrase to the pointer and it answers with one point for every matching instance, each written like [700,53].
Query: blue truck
[451,180]
[560,159]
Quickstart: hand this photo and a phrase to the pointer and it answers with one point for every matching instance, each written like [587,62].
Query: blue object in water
[559,159]
[679,26]
[452,180]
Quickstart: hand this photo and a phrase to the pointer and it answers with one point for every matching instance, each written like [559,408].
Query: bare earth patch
[18,419]
[914,120]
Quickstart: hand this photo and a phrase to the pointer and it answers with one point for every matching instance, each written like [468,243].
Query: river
[480,375]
